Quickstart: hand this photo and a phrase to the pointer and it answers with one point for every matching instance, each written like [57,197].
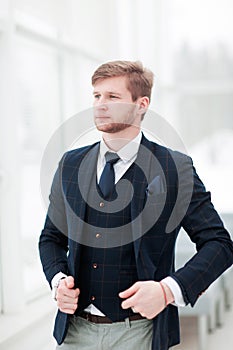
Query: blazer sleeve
[53,241]
[213,243]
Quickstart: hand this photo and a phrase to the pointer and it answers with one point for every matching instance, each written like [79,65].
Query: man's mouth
[102,117]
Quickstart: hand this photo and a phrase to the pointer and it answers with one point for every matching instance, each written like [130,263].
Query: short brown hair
[140,79]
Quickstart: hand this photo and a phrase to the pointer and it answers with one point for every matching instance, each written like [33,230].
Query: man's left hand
[146,298]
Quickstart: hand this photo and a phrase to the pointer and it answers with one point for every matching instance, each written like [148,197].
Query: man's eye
[113,96]
[97,96]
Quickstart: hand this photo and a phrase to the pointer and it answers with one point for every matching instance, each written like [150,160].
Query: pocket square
[156,186]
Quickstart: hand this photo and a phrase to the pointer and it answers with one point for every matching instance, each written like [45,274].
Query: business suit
[154,251]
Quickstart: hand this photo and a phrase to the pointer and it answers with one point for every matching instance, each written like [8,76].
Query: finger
[69,282]
[128,303]
[68,309]
[73,293]
[64,299]
[130,291]
[77,292]
[134,309]
[63,291]
[65,304]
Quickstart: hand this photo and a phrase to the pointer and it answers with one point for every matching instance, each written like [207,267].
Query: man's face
[114,109]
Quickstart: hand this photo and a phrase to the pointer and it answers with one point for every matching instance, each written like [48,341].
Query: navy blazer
[175,197]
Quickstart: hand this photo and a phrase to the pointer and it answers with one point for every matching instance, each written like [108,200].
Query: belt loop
[127,323]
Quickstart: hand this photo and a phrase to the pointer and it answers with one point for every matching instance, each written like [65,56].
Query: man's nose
[101,103]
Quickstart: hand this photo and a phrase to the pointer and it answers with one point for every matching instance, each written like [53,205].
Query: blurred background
[48,52]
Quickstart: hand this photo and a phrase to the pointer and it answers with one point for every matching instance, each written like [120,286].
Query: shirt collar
[127,152]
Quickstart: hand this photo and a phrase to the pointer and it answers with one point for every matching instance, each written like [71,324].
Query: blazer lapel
[150,190]
[85,170]
[140,181]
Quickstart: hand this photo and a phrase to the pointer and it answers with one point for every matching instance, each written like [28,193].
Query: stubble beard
[112,128]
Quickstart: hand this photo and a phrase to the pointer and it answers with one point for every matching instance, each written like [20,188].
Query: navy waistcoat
[105,272]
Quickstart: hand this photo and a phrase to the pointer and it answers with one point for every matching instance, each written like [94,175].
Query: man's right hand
[67,296]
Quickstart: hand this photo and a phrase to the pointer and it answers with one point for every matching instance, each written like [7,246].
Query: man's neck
[115,141]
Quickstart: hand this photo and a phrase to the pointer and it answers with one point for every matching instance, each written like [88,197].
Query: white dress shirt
[127,155]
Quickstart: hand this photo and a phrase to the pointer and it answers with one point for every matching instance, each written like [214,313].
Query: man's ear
[143,104]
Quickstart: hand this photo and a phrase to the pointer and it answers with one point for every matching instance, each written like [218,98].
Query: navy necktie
[107,179]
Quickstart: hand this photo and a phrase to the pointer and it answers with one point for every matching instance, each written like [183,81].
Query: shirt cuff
[55,282]
[176,291]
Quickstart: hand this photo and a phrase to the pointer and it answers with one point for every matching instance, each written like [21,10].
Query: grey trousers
[130,335]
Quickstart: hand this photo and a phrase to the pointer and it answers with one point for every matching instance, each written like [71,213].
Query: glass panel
[203,81]
[38,83]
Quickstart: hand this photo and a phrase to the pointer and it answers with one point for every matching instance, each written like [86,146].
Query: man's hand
[67,296]
[147,298]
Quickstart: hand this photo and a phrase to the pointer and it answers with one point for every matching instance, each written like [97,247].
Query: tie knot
[111,157]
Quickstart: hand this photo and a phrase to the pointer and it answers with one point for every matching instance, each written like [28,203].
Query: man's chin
[112,128]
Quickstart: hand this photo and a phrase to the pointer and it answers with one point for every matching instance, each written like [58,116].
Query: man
[116,208]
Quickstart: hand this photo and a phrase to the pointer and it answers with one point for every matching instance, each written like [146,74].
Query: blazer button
[98,235]
[95,266]
[93,298]
[101,204]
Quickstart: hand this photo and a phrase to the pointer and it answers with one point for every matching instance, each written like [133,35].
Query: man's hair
[139,78]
